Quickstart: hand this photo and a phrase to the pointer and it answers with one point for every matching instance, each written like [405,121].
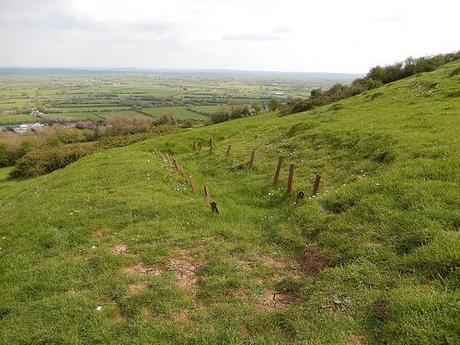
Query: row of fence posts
[180,169]
[197,145]
[300,194]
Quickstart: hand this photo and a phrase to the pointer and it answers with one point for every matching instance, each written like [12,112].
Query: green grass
[77,116]
[180,113]
[17,119]
[4,173]
[113,114]
[208,109]
[372,259]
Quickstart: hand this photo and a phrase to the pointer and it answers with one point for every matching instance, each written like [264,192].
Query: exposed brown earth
[312,262]
[136,288]
[272,299]
[185,272]
[142,269]
[120,249]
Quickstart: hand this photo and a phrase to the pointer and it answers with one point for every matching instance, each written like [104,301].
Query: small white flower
[98,308]
[93,247]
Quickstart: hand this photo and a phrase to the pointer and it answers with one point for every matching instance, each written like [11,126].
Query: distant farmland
[73,95]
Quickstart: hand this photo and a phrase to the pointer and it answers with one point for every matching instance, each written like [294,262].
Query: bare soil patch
[98,233]
[142,269]
[181,316]
[272,299]
[278,264]
[185,272]
[312,262]
[117,316]
[240,294]
[136,288]
[120,249]
[246,264]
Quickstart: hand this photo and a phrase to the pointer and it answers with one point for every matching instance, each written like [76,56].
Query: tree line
[376,77]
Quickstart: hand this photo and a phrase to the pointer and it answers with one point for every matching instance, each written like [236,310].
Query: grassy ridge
[373,259]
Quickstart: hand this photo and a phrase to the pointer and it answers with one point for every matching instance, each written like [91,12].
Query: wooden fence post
[251,160]
[316,184]
[214,207]
[290,178]
[176,166]
[278,170]
[207,194]
[193,184]
[181,169]
[228,150]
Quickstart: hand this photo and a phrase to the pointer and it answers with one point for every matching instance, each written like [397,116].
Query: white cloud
[295,35]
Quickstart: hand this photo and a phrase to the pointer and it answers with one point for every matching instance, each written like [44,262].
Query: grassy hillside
[116,249]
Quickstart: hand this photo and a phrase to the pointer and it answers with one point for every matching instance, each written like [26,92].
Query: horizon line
[146,69]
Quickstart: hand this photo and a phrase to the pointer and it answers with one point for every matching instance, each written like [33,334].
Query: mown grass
[372,259]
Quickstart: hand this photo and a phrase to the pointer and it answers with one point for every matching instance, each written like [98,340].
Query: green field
[126,113]
[75,116]
[116,249]
[180,113]
[89,97]
[208,109]
[17,119]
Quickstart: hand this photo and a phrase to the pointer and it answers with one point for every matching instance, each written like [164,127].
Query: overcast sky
[283,35]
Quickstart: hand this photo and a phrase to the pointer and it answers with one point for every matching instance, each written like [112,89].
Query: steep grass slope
[116,249]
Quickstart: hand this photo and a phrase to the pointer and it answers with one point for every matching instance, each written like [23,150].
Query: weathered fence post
[207,194]
[176,166]
[290,178]
[181,169]
[214,207]
[193,184]
[251,160]
[278,170]
[316,184]
[228,150]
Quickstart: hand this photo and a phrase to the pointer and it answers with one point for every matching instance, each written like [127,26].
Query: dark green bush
[128,139]
[45,160]
[6,157]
